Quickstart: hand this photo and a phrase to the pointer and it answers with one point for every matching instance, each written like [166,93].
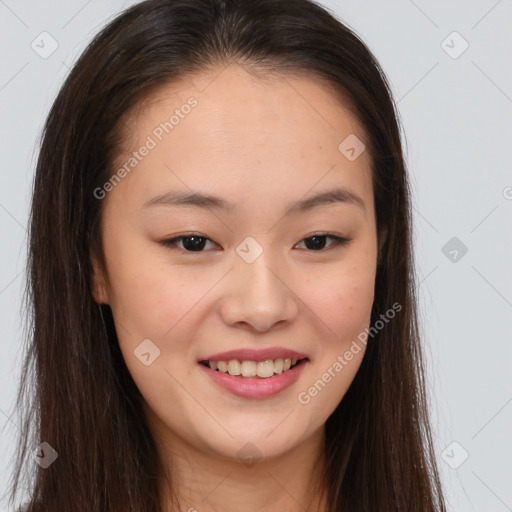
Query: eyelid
[171,242]
[338,241]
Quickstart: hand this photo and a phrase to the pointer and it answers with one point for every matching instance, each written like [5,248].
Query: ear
[99,282]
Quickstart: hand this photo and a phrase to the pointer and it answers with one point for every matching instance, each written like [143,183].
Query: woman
[221,273]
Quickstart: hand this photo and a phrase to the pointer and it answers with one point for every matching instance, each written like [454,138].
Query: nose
[258,296]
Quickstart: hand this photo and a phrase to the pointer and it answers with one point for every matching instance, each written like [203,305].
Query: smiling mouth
[254,369]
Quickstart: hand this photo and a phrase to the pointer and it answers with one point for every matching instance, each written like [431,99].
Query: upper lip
[248,354]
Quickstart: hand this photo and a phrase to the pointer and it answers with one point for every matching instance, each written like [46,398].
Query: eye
[196,243]
[191,243]
[317,241]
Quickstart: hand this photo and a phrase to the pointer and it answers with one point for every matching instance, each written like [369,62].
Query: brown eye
[197,243]
[318,242]
[190,243]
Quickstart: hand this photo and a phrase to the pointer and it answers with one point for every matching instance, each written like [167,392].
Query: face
[256,272]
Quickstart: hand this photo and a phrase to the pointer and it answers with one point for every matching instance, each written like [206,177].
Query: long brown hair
[76,392]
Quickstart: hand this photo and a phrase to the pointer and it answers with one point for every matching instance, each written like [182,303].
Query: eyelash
[337,241]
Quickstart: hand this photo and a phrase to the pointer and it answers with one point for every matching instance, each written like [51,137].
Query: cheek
[139,298]
[342,299]
[343,303]
[147,295]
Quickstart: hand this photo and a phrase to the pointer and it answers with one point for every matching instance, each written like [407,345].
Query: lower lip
[255,387]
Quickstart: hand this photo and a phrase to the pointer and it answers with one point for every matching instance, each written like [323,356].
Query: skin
[263,145]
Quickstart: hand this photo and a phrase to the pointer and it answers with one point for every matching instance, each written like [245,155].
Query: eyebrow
[208,201]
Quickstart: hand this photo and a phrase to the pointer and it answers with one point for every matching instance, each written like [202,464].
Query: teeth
[234,367]
[278,365]
[263,369]
[248,369]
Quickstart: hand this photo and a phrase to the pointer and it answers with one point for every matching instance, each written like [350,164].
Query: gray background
[456,109]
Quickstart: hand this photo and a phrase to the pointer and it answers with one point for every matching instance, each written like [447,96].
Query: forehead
[272,135]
